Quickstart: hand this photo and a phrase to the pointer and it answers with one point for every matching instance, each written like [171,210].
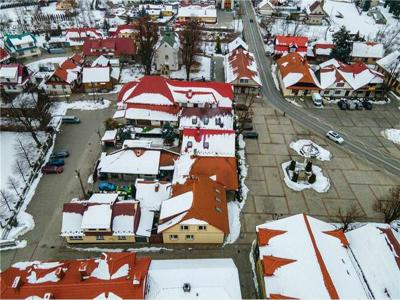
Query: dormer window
[189,144]
[206,145]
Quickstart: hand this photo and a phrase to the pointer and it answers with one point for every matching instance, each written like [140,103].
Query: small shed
[109,138]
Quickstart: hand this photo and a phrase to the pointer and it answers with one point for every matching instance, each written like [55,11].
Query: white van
[317,99]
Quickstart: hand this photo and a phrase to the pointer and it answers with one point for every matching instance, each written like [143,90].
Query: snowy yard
[203,72]
[392,135]
[132,73]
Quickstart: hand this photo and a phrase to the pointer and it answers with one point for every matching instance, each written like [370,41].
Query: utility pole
[78,175]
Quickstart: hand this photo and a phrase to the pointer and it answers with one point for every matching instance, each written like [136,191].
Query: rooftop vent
[187,287]
[17,282]
[48,296]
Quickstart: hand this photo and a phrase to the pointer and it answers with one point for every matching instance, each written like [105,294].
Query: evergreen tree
[343,45]
[168,133]
[218,49]
[367,5]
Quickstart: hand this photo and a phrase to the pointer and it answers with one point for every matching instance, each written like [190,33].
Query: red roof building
[110,47]
[4,55]
[14,77]
[287,44]
[113,275]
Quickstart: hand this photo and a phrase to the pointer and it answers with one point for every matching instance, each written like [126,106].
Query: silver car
[334,136]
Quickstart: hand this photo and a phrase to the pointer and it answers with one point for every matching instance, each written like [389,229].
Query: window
[32,50]
[338,92]
[340,84]
[206,120]
[173,237]
[184,227]
[206,145]
[190,144]
[75,238]
[99,238]
[217,121]
[122,238]
[166,57]
[202,227]
[194,121]
[326,93]
[243,80]
[189,237]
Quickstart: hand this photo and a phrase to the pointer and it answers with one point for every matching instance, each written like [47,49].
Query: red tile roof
[109,46]
[3,54]
[78,279]
[242,65]
[284,43]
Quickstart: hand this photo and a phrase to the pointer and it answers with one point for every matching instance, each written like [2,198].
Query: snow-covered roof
[264,3]
[176,205]
[367,50]
[151,194]
[237,43]
[95,74]
[377,252]
[109,135]
[119,114]
[241,64]
[71,224]
[205,142]
[19,40]
[359,75]
[391,63]
[303,257]
[205,118]
[97,217]
[123,225]
[193,11]
[9,72]
[149,114]
[145,223]
[104,198]
[131,161]
[101,61]
[207,279]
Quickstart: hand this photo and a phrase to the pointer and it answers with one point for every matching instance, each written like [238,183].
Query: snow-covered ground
[392,135]
[308,148]
[132,73]
[235,207]
[204,70]
[321,184]
[274,76]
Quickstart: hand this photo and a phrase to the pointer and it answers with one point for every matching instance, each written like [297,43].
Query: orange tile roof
[241,62]
[225,169]
[295,63]
[264,235]
[74,278]
[271,263]
[338,233]
[205,205]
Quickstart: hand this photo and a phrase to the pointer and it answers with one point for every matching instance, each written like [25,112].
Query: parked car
[352,105]
[107,186]
[367,105]
[359,105]
[250,135]
[334,136]
[59,154]
[125,190]
[48,169]
[70,120]
[56,162]
[343,104]
[317,99]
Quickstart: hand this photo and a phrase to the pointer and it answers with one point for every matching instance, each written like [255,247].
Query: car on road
[48,169]
[70,120]
[107,186]
[59,154]
[56,162]
[334,136]
[250,135]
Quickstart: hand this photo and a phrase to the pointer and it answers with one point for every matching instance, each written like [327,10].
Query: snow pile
[235,207]
[273,73]
[392,135]
[61,108]
[117,250]
[321,184]
[308,148]
[294,102]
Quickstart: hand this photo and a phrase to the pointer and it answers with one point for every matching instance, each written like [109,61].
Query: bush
[312,179]
[292,165]
[309,166]
[110,124]
[295,176]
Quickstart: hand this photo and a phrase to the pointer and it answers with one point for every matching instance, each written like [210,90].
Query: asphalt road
[307,120]
[82,141]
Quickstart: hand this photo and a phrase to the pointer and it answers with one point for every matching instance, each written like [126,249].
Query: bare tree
[390,208]
[147,39]
[393,74]
[14,185]
[349,216]
[190,38]
[21,169]
[24,152]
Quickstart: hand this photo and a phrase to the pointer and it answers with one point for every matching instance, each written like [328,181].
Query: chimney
[17,282]
[83,270]
[59,272]
[136,279]
[157,187]
[189,93]
[48,296]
